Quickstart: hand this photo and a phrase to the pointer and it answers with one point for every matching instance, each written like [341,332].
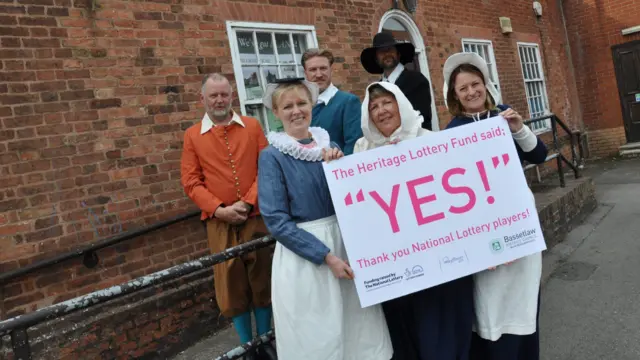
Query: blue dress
[317,316]
[293,191]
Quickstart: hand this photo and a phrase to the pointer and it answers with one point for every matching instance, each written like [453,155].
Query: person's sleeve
[351,128]
[192,176]
[424,103]
[251,197]
[274,208]
[531,148]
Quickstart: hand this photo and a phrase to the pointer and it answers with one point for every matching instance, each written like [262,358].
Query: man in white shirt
[387,57]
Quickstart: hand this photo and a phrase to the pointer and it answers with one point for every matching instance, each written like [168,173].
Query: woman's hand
[331,154]
[339,268]
[514,119]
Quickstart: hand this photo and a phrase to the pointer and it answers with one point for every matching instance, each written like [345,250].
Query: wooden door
[626,60]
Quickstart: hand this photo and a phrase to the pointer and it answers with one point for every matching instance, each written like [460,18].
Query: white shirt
[395,74]
[207,124]
[327,94]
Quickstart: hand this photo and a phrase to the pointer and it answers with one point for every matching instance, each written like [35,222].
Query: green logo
[496,246]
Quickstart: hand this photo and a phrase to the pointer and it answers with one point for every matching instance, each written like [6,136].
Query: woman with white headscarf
[506,298]
[432,324]
[316,309]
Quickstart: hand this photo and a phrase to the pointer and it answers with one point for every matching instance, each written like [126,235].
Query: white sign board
[433,209]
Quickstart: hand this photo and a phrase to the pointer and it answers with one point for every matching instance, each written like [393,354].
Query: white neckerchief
[395,74]
[327,94]
[290,146]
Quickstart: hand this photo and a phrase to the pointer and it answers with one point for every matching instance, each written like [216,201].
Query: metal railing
[89,251]
[17,326]
[575,139]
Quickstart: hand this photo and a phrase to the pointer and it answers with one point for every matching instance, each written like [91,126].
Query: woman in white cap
[432,324]
[506,299]
[316,309]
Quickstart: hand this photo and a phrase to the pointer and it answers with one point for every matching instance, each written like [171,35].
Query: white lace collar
[290,146]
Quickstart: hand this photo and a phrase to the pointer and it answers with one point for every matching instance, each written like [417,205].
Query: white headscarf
[410,119]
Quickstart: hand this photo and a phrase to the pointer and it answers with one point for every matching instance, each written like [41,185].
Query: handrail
[560,158]
[92,248]
[17,326]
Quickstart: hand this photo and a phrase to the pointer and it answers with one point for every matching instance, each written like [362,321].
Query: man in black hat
[387,57]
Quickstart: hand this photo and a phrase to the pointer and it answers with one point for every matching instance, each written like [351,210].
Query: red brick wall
[593,27]
[95,96]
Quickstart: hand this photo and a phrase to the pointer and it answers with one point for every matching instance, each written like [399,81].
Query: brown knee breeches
[245,281]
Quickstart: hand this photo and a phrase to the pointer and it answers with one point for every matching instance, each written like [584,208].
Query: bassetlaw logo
[496,246]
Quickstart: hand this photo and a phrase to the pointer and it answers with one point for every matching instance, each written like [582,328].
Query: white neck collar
[290,146]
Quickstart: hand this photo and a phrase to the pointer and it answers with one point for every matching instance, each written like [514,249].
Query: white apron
[318,317]
[506,299]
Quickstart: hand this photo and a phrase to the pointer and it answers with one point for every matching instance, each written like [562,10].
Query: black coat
[415,87]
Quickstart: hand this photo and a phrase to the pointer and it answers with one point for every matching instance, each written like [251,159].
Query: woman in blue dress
[506,299]
[316,309]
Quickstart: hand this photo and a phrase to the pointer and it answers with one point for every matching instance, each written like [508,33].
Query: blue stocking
[243,326]
[263,319]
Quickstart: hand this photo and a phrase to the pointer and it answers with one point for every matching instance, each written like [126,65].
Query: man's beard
[219,115]
[391,65]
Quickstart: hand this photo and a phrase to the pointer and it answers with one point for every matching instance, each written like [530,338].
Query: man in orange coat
[219,172]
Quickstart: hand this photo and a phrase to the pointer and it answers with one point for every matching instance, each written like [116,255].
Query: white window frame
[544,126]
[490,53]
[233,26]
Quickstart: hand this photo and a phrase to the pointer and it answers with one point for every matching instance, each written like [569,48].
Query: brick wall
[95,96]
[606,142]
[593,26]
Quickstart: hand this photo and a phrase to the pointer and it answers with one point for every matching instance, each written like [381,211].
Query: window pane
[251,82]
[274,123]
[255,111]
[270,73]
[283,45]
[288,71]
[246,48]
[299,46]
[466,48]
[265,48]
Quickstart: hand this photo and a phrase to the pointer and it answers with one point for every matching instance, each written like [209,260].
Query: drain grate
[574,271]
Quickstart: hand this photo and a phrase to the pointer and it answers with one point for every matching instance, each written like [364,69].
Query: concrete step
[630,153]
[630,150]
[630,146]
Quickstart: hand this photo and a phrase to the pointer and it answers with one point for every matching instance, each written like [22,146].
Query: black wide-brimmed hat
[382,40]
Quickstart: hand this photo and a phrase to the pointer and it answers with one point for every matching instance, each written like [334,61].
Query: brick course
[593,27]
[95,96]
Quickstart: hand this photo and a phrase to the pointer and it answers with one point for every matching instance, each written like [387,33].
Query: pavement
[590,306]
